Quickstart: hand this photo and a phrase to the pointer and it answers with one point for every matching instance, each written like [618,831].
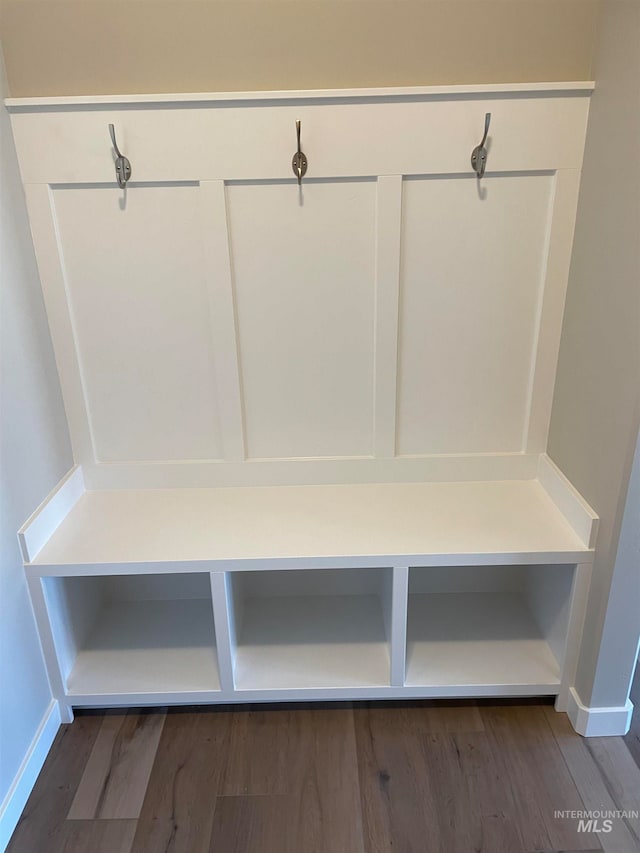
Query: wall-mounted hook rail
[123,166]
[479,153]
[299,162]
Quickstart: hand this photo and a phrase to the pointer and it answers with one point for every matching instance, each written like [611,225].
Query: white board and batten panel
[137,290]
[304,286]
[215,325]
[472,272]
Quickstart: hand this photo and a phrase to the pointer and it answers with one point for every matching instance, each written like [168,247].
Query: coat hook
[299,162]
[479,153]
[123,166]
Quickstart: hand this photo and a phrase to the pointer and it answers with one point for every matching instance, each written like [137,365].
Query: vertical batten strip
[46,241]
[387,290]
[225,643]
[215,240]
[47,641]
[556,277]
[399,608]
[577,613]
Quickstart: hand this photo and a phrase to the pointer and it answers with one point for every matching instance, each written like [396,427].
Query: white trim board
[22,785]
[53,279]
[569,501]
[443,468]
[319,694]
[199,98]
[41,525]
[89,569]
[557,258]
[598,722]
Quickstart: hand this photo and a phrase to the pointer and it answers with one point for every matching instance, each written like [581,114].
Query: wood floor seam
[589,779]
[564,757]
[634,828]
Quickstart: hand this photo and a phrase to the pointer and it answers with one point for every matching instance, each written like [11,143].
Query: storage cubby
[133,634]
[488,626]
[311,629]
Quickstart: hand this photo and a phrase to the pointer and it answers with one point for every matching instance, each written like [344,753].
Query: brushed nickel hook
[123,166]
[299,162]
[479,153]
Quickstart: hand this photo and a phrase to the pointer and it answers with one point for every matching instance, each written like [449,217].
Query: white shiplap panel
[136,281]
[304,286]
[470,284]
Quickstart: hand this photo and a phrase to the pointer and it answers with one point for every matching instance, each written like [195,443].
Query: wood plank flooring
[415,777]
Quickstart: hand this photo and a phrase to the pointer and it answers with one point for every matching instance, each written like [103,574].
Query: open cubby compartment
[500,629]
[133,634]
[324,628]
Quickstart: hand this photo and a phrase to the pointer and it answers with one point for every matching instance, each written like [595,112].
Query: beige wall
[597,397]
[61,47]
[35,453]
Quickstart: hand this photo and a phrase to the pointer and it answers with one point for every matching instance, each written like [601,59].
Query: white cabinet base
[362,591]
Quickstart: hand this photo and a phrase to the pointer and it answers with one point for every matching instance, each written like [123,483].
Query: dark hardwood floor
[418,777]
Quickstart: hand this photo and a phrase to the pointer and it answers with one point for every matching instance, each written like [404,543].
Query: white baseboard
[25,778]
[598,722]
